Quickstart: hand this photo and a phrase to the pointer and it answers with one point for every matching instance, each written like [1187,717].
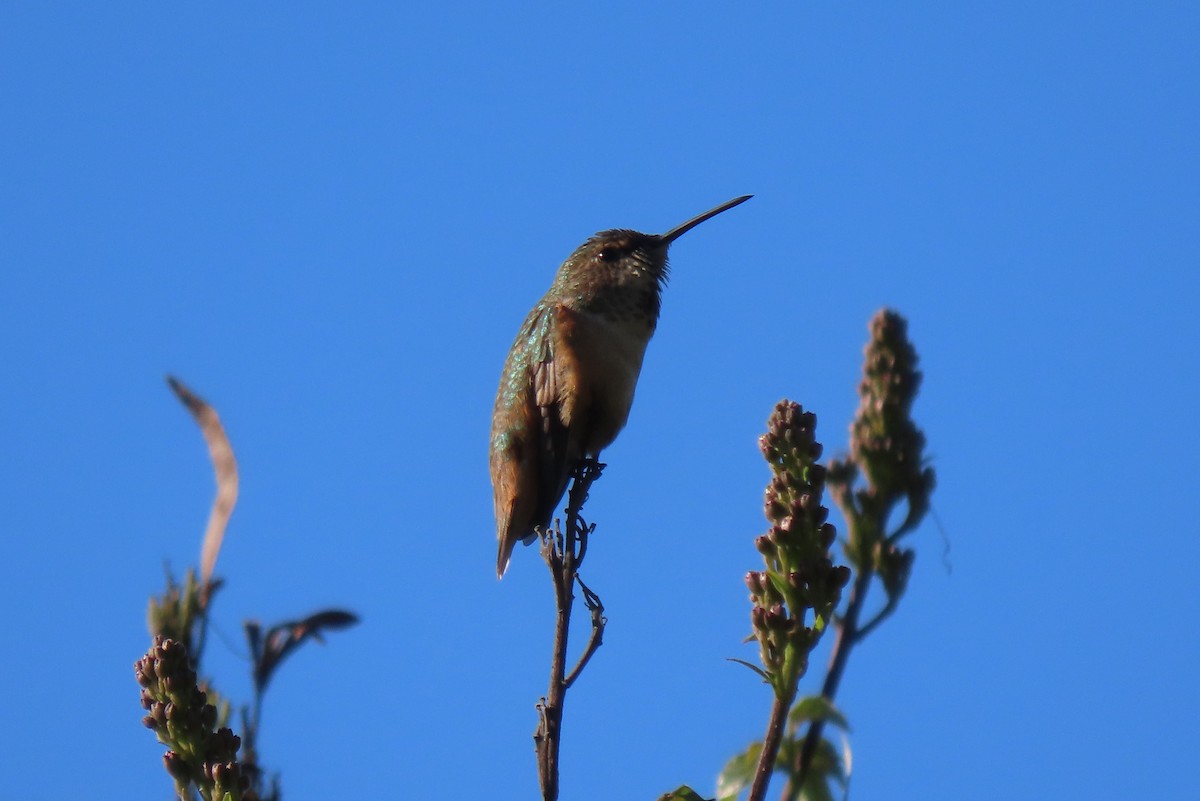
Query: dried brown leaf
[225,468]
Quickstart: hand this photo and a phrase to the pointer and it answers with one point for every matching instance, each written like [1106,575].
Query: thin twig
[547,738]
[592,600]
[563,551]
[893,601]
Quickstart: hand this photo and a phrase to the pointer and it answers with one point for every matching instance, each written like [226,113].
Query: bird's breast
[603,359]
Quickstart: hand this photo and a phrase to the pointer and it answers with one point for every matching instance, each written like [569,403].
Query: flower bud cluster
[179,713]
[799,574]
[885,442]
[887,450]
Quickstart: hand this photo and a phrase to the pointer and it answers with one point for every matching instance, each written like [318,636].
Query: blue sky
[331,222]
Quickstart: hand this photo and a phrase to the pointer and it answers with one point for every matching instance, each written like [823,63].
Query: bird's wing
[553,451]
[529,438]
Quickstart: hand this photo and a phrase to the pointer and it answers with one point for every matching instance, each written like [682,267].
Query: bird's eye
[609,254]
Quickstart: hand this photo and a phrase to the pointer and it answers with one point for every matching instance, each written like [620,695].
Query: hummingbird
[568,380]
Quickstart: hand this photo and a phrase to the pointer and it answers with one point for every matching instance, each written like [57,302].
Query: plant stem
[770,748]
[548,737]
[847,637]
[563,555]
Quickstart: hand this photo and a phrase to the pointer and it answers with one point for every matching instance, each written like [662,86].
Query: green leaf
[781,583]
[817,707]
[815,789]
[681,793]
[738,773]
[827,766]
[766,677]
[824,769]
[786,757]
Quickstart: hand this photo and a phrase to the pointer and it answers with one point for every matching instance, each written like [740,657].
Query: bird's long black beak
[680,230]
